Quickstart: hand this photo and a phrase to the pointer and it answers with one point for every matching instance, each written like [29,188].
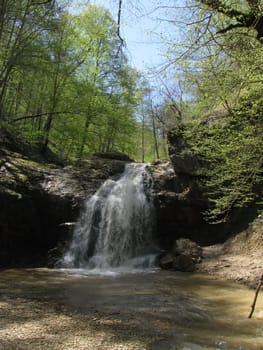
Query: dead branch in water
[255,297]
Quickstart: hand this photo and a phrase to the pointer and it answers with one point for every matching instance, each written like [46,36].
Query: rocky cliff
[41,201]
[180,202]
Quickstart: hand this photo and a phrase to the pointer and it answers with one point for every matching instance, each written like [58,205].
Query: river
[157,310]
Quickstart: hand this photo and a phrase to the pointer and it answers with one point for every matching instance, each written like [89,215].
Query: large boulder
[184,246]
[184,256]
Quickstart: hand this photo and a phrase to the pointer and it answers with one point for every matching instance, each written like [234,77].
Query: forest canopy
[65,82]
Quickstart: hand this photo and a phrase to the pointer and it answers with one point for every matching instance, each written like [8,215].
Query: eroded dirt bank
[240,258]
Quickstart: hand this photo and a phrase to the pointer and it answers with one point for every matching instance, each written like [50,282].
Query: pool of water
[184,311]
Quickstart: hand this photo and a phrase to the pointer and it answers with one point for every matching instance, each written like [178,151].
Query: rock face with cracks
[179,206]
[40,203]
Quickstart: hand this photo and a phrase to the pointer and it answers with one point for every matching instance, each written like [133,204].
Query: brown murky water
[181,311]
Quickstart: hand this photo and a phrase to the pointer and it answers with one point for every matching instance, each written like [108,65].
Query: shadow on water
[167,310]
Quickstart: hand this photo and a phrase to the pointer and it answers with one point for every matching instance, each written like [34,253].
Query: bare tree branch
[39,115]
[42,2]
[119,22]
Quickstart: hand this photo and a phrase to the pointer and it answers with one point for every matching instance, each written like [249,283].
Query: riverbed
[157,310]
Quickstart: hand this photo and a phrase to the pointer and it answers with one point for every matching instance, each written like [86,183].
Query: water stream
[161,310]
[114,231]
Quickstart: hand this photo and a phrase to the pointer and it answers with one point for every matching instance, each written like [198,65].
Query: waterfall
[115,229]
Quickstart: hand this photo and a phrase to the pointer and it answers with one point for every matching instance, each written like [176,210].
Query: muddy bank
[239,259]
[241,267]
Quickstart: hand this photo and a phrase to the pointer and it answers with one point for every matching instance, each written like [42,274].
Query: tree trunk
[84,137]
[143,138]
[155,140]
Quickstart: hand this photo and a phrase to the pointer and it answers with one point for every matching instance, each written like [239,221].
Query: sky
[141,31]
[145,30]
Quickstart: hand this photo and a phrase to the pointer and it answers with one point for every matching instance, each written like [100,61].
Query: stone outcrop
[179,200]
[113,155]
[181,155]
[40,203]
[179,206]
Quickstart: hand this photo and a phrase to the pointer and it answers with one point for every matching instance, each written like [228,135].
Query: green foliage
[221,67]
[64,79]
[231,154]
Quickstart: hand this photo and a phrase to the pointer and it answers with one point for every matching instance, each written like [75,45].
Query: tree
[70,87]
[220,64]
[110,81]
[231,175]
[64,63]
[249,16]
[20,25]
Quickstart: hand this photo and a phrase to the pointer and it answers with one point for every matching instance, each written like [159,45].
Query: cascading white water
[115,229]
